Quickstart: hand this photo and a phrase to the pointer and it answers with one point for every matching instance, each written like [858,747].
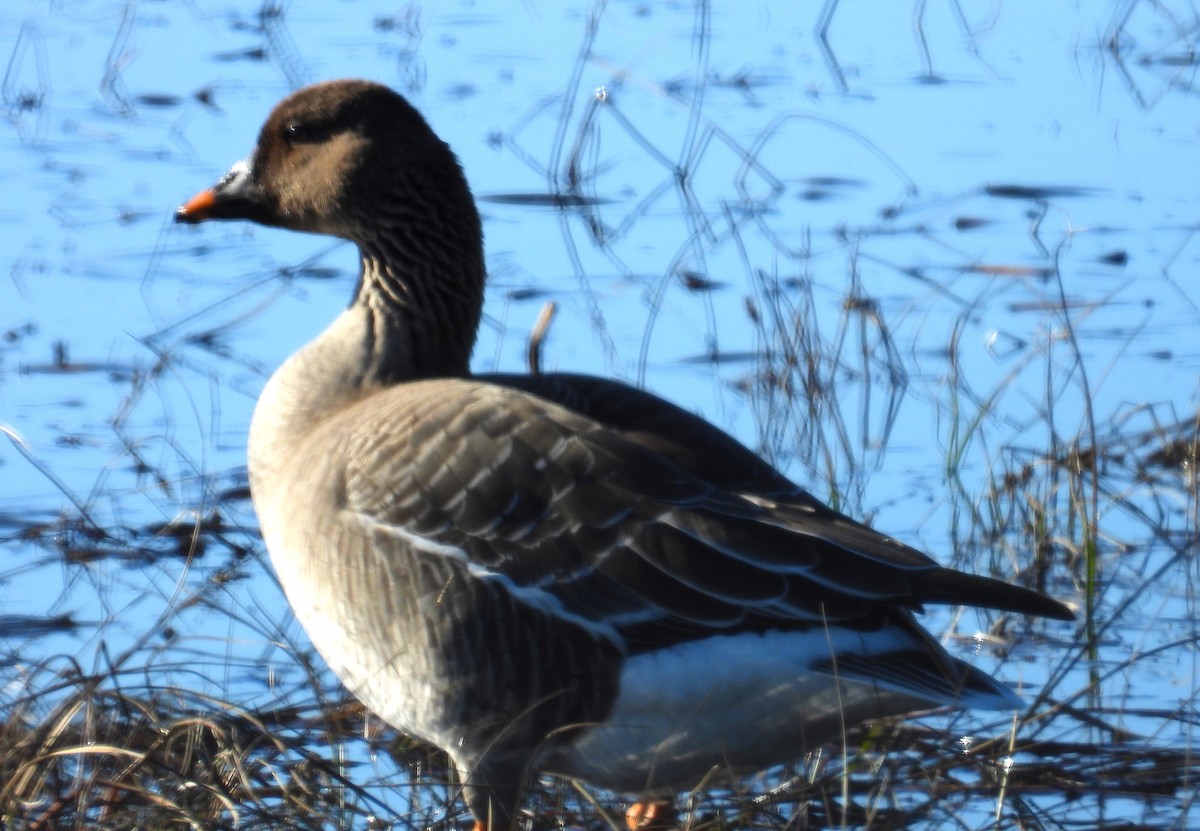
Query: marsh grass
[110,746]
[169,730]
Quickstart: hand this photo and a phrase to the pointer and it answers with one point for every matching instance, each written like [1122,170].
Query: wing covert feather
[613,530]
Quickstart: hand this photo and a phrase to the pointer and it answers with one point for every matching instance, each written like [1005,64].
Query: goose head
[337,158]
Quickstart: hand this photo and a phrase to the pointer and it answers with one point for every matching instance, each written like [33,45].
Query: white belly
[737,703]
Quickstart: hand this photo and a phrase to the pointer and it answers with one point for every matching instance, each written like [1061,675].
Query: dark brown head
[339,158]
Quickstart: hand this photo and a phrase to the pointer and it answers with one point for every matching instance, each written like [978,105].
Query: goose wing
[715,457]
[582,520]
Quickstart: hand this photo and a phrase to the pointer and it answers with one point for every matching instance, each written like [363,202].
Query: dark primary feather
[717,458]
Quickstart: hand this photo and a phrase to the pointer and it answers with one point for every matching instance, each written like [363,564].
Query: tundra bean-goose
[551,573]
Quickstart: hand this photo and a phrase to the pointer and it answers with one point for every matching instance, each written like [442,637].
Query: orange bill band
[199,205]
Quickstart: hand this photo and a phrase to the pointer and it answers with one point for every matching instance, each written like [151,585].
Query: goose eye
[301,132]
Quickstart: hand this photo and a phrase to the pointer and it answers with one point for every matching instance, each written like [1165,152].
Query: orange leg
[652,815]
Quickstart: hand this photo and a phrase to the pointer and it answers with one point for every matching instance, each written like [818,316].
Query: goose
[548,573]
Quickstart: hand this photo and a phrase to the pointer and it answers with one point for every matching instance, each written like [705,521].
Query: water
[979,236]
